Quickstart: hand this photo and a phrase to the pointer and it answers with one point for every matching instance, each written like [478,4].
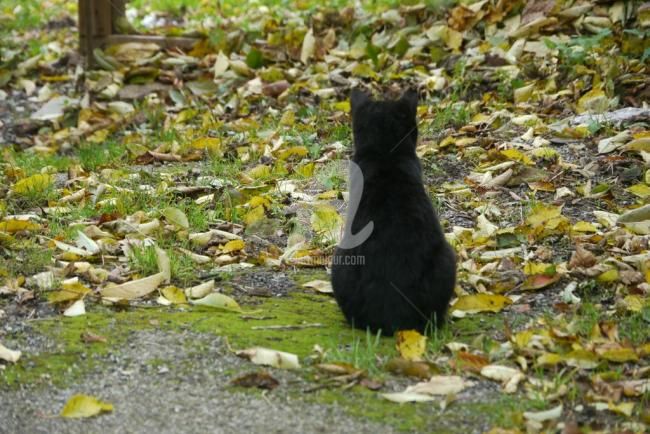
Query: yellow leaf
[411,344]
[219,301]
[532,268]
[70,291]
[256,201]
[210,144]
[583,226]
[233,246]
[12,226]
[640,144]
[546,220]
[581,359]
[327,222]
[328,195]
[174,295]
[593,101]
[176,217]
[618,354]
[342,106]
[306,170]
[608,276]
[84,406]
[452,38]
[259,171]
[524,93]
[633,303]
[540,214]
[549,359]
[545,152]
[517,155]
[254,215]
[288,118]
[298,151]
[644,350]
[33,184]
[481,303]
[624,408]
[641,190]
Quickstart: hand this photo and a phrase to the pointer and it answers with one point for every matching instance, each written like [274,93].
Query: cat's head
[384,128]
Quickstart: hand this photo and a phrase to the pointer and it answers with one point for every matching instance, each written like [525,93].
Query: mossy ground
[66,359]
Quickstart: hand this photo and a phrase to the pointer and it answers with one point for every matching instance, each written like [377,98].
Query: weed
[360,353]
[94,156]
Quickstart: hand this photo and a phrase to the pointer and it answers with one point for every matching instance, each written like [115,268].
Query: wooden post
[98,27]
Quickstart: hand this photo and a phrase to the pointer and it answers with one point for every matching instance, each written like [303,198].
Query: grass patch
[94,156]
[26,258]
[364,352]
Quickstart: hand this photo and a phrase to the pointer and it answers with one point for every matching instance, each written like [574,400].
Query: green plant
[360,353]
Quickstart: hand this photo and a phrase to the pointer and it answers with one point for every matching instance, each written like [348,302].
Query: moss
[497,410]
[68,359]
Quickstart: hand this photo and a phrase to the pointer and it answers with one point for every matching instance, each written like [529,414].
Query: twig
[288,327]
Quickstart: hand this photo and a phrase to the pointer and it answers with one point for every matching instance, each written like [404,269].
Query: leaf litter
[159,172]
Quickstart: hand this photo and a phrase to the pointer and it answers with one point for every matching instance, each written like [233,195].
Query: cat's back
[393,194]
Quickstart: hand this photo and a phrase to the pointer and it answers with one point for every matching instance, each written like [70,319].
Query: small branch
[288,327]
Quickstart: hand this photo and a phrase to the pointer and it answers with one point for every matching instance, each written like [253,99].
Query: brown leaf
[276,88]
[410,368]
[371,384]
[582,258]
[259,379]
[535,10]
[89,338]
[539,281]
[470,362]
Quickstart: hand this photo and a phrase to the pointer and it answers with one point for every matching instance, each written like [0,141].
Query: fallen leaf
[176,217]
[322,286]
[219,301]
[233,246]
[200,290]
[542,416]
[481,303]
[440,385]
[260,379]
[33,184]
[411,344]
[402,397]
[79,406]
[269,357]
[9,355]
[77,308]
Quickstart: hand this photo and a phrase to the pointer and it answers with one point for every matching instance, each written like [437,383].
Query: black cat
[393,269]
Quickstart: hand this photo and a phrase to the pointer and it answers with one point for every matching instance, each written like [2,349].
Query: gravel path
[156,386]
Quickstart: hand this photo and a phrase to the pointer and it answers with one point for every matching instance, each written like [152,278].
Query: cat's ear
[357,99]
[410,99]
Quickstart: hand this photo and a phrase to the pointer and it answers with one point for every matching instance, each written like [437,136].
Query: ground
[163,211]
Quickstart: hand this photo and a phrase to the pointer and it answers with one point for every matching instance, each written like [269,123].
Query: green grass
[27,258]
[23,15]
[143,260]
[97,156]
[174,7]
[32,163]
[364,352]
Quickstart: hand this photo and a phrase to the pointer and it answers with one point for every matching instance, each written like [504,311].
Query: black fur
[409,272]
